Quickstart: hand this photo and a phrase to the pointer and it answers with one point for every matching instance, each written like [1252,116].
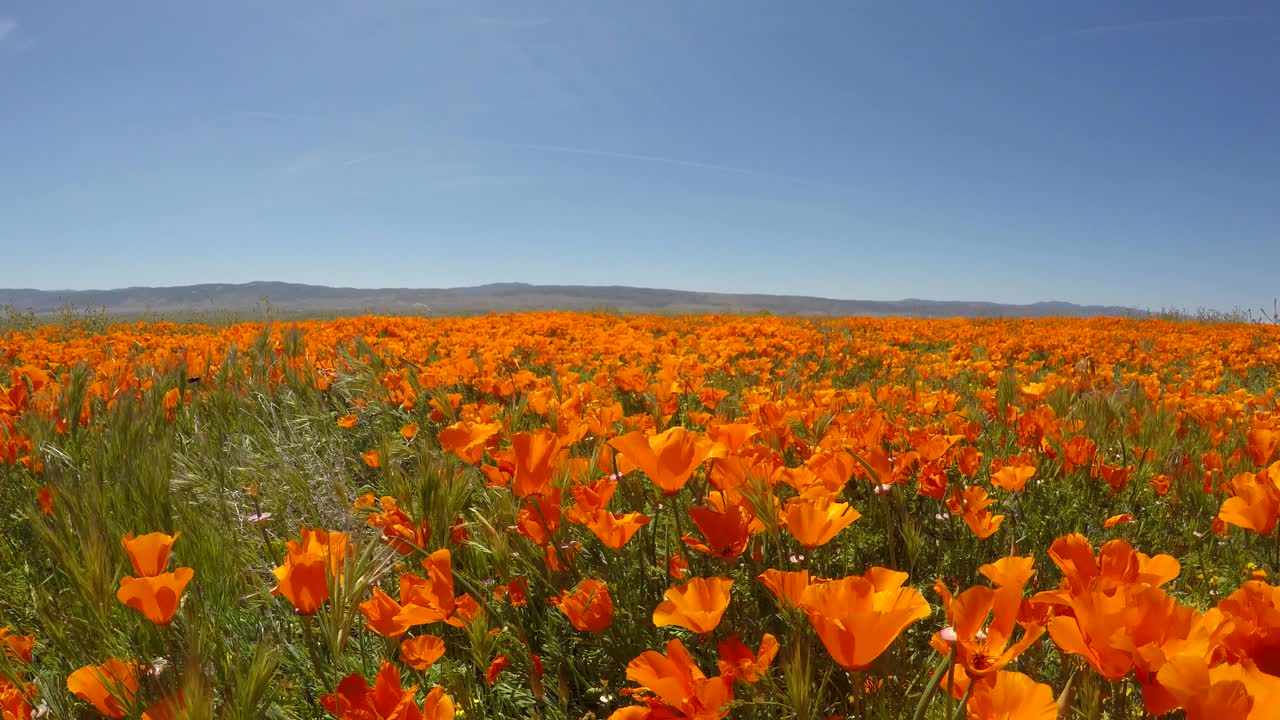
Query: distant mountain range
[298,298]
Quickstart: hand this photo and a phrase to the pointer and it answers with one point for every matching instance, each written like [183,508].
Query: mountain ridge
[513,296]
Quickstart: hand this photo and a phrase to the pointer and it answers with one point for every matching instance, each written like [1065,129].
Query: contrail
[1165,22]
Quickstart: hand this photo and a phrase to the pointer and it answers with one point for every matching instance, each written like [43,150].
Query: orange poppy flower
[732,436]
[1251,617]
[668,459]
[467,440]
[465,609]
[613,530]
[309,567]
[1117,476]
[18,647]
[354,699]
[170,402]
[859,616]
[814,520]
[149,554]
[346,422]
[877,465]
[1115,520]
[737,661]
[45,496]
[430,600]
[754,465]
[1115,563]
[1011,696]
[678,567]
[677,683]
[534,456]
[589,498]
[933,447]
[1013,477]
[971,504]
[787,587]
[589,607]
[1223,691]
[495,669]
[697,605]
[1165,631]
[173,707]
[1261,444]
[398,529]
[16,700]
[970,460]
[410,431]
[437,705]
[1256,503]
[155,597]
[832,470]
[982,620]
[382,615]
[932,481]
[372,458]
[726,532]
[422,651]
[109,687]
[1130,626]
[518,591]
[539,519]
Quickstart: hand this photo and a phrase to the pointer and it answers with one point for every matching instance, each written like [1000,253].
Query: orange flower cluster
[387,699]
[311,568]
[112,688]
[155,593]
[16,696]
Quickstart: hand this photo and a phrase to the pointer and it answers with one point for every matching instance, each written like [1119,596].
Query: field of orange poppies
[571,516]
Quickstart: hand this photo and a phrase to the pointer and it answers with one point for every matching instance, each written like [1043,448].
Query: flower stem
[932,685]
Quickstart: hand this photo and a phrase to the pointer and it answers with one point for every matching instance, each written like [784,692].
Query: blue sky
[1097,152]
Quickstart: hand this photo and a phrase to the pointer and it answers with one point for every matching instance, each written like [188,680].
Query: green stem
[951,681]
[964,702]
[888,531]
[932,686]
[309,636]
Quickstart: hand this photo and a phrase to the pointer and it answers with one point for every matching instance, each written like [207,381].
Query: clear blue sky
[1097,152]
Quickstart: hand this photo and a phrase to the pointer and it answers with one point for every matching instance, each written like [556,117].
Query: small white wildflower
[157,667]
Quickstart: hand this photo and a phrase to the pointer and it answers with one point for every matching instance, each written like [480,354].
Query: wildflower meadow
[573,516]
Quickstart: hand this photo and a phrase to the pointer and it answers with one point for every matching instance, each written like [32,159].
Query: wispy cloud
[325,159]
[8,26]
[501,21]
[360,159]
[267,114]
[1164,23]
[475,181]
[665,160]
